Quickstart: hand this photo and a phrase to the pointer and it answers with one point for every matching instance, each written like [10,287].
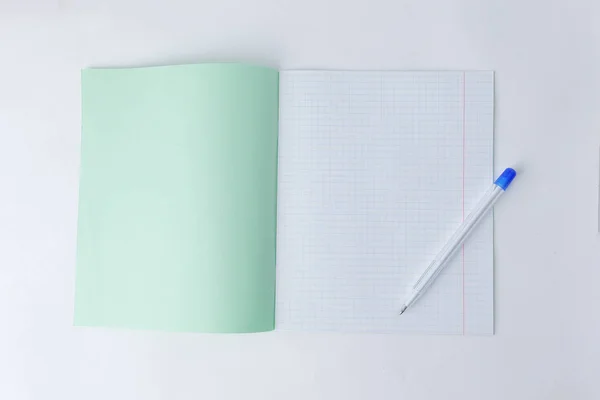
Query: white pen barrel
[457,239]
[436,266]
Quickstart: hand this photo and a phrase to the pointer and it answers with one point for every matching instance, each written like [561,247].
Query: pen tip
[402,309]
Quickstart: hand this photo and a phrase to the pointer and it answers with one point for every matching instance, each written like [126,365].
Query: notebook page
[376,171]
[177,198]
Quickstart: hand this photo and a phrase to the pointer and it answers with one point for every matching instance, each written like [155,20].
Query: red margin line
[464,137]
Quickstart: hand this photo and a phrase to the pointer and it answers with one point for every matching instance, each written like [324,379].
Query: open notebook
[236,198]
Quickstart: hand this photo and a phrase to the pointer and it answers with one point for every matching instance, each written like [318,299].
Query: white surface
[376,171]
[547,247]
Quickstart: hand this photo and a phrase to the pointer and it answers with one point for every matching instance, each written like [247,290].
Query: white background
[546,57]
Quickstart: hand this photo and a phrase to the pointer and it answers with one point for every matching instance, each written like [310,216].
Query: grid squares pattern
[376,170]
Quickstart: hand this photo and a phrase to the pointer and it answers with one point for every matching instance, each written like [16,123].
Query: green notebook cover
[177,203]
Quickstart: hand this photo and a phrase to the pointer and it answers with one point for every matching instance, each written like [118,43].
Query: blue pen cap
[506,178]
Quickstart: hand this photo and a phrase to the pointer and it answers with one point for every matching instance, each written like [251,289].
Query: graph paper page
[376,171]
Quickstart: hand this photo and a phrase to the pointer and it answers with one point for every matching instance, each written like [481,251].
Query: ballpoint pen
[485,204]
